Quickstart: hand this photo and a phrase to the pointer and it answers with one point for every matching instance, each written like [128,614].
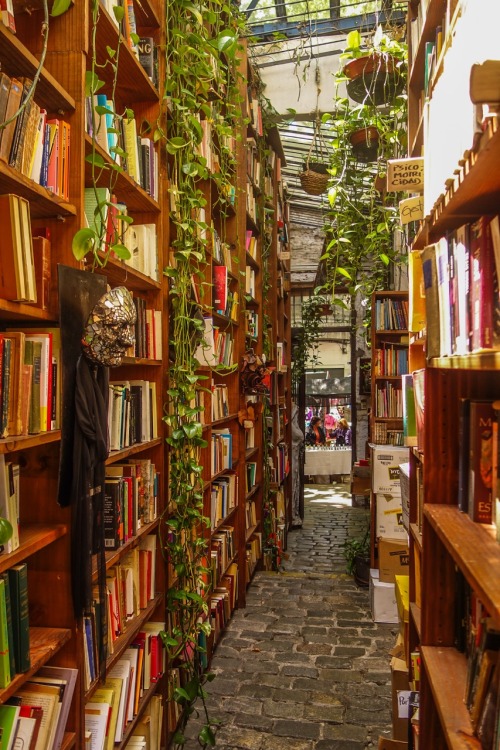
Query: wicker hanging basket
[314,177]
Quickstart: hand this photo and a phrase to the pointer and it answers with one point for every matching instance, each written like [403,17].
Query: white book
[60,675]
[25,728]
[96,722]
[131,654]
[121,670]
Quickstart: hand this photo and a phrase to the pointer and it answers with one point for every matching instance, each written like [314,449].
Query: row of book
[250,475]
[24,259]
[251,203]
[148,332]
[10,500]
[14,624]
[251,244]
[108,218]
[253,554]
[35,716]
[253,162]
[115,703]
[221,451]
[390,360]
[250,282]
[119,138]
[220,401]
[130,585]
[388,401]
[383,435]
[222,550]
[391,314]
[252,323]
[30,380]
[460,273]
[131,499]
[225,300]
[221,250]
[34,144]
[132,413]
[223,497]
[216,346]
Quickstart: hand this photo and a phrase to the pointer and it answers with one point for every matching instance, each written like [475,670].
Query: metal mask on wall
[110,328]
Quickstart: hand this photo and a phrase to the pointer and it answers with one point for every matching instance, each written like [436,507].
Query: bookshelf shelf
[251,531]
[133,84]
[433,15]
[22,312]
[475,190]
[227,519]
[146,14]
[69,741]
[473,548]
[44,644]
[153,688]
[23,442]
[131,450]
[43,203]
[252,492]
[32,539]
[17,60]
[446,671]
[130,192]
[252,261]
[119,273]
[486,360]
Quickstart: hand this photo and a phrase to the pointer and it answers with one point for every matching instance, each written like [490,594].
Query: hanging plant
[200,85]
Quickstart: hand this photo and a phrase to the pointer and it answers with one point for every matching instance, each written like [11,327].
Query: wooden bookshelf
[447,548]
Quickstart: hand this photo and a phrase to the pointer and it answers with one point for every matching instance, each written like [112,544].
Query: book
[9,499]
[6,674]
[96,722]
[432,315]
[12,283]
[146,47]
[13,103]
[47,698]
[66,677]
[9,716]
[481,271]
[18,581]
[480,480]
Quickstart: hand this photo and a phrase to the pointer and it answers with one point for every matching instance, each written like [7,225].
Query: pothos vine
[200,85]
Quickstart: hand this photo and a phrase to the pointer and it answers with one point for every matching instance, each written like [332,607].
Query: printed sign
[405,175]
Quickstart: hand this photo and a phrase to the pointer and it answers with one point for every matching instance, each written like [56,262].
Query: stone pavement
[303,667]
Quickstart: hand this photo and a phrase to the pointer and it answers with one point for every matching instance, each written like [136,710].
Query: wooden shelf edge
[487,360]
[416,615]
[416,535]
[115,456]
[23,442]
[44,643]
[446,671]
[473,548]
[32,539]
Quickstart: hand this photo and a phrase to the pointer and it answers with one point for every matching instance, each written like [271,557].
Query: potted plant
[374,70]
[357,556]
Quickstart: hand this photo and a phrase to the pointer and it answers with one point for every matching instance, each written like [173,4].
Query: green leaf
[207,736]
[179,739]
[195,12]
[97,160]
[121,251]
[119,12]
[83,242]
[59,7]
[384,258]
[135,38]
[92,83]
[344,272]
[111,52]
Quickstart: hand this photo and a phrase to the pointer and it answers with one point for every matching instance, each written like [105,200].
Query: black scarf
[90,450]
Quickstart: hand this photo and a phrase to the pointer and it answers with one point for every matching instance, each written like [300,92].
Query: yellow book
[110,693]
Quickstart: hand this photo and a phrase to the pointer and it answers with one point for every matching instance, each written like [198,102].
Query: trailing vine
[305,351]
[200,87]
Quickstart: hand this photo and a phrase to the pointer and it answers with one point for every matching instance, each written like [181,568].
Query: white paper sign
[404,704]
[411,209]
[405,175]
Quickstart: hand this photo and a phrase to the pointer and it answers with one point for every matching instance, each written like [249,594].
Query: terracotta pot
[365,143]
[374,78]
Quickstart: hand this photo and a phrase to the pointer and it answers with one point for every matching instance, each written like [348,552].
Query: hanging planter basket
[373,77]
[365,143]
[314,176]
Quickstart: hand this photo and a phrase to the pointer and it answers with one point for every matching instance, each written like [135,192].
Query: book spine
[5,669]
[10,626]
[18,580]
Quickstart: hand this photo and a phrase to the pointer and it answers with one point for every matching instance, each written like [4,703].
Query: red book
[481,264]
[220,288]
[481,418]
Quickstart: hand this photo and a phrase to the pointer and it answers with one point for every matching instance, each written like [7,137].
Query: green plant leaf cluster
[201,89]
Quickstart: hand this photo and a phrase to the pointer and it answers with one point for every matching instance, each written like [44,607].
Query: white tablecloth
[327,461]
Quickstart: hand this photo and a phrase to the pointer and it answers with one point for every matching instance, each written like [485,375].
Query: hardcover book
[481,419]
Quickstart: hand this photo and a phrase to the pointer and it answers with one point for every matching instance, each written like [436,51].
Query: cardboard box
[382,600]
[393,559]
[400,689]
[385,460]
[389,517]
